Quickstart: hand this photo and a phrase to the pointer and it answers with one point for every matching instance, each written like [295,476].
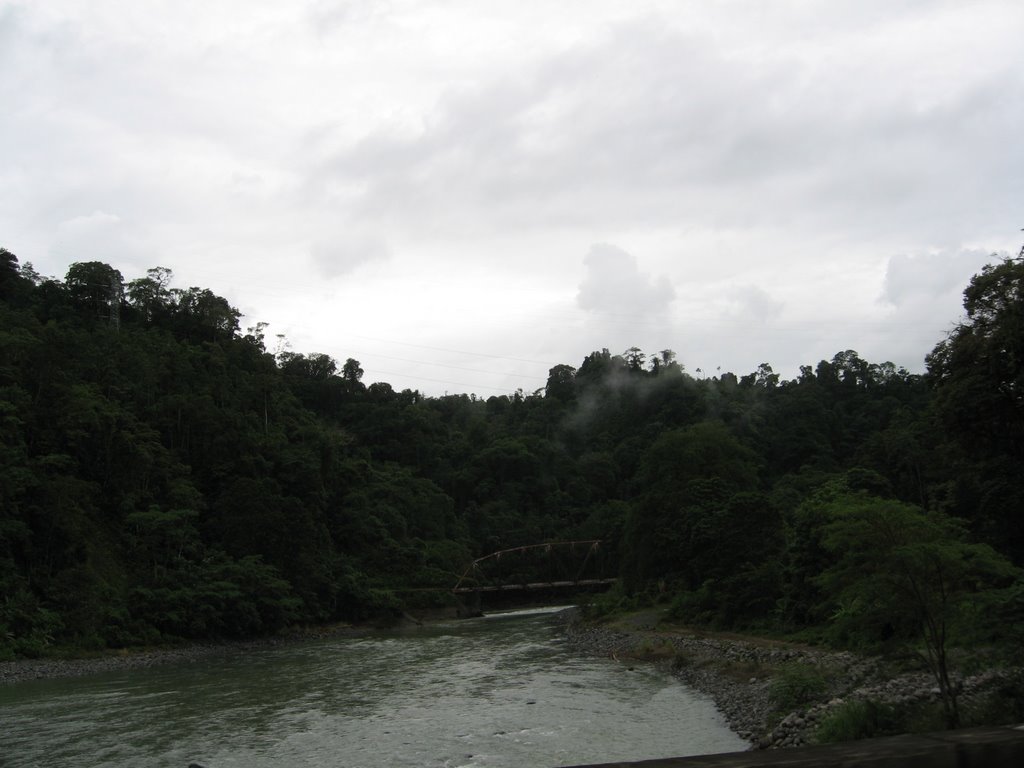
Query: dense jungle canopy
[164,477]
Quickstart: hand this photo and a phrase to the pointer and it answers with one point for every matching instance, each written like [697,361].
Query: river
[502,690]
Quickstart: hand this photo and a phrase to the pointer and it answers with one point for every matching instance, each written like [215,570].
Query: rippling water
[498,691]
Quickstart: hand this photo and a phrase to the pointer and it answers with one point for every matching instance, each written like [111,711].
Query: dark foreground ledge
[999,747]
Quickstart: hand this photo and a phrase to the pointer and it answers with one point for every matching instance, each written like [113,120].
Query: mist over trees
[164,477]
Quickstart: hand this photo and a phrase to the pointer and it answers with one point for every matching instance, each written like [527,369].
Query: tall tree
[978,370]
[978,376]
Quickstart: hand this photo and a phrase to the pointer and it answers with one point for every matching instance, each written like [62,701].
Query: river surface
[502,690]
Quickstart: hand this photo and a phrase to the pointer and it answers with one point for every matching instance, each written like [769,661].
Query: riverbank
[743,675]
[22,670]
[775,694]
[501,691]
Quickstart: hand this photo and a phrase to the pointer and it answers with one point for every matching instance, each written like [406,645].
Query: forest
[165,478]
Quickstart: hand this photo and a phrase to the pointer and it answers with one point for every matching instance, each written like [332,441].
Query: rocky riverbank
[747,678]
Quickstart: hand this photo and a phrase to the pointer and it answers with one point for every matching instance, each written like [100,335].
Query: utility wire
[453,351]
[441,381]
[444,365]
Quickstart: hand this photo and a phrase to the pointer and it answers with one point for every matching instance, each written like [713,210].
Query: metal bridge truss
[473,578]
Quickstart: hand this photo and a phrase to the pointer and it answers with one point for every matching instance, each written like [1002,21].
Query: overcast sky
[463,194]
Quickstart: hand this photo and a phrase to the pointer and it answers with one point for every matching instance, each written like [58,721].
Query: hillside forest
[164,477]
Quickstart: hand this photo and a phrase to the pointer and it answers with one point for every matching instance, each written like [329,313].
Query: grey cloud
[98,236]
[8,31]
[930,277]
[615,284]
[651,124]
[97,221]
[601,130]
[326,15]
[924,294]
[754,304]
[793,136]
[348,252]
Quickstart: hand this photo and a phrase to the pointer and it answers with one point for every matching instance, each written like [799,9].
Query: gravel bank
[737,674]
[38,669]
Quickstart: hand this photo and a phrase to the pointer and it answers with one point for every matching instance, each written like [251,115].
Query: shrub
[796,686]
[859,719]
[614,601]
[693,606]
[651,650]
[681,660]
[1002,705]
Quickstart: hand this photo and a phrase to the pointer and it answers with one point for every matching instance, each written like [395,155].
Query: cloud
[765,162]
[112,238]
[649,123]
[98,236]
[614,284]
[924,279]
[98,222]
[923,296]
[348,252]
[752,304]
[327,15]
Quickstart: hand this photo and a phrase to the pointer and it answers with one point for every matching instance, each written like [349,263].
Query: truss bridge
[576,564]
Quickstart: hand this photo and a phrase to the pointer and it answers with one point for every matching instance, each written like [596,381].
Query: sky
[462,194]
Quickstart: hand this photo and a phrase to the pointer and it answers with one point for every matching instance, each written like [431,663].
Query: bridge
[551,565]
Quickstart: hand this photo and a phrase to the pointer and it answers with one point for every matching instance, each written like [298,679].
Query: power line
[442,381]
[455,367]
[453,351]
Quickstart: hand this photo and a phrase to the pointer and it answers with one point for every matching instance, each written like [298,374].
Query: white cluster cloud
[613,283]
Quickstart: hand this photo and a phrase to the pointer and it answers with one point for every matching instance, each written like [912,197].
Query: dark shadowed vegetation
[164,477]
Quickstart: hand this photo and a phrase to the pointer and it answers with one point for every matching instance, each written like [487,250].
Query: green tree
[203,315]
[561,383]
[351,371]
[634,358]
[688,477]
[903,572]
[14,285]
[978,377]
[95,287]
[150,296]
[978,370]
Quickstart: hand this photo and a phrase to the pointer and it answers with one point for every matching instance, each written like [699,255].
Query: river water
[503,690]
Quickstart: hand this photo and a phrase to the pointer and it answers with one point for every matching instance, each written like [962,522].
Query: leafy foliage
[902,572]
[859,719]
[163,476]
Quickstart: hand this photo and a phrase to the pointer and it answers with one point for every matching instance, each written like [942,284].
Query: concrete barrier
[995,747]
